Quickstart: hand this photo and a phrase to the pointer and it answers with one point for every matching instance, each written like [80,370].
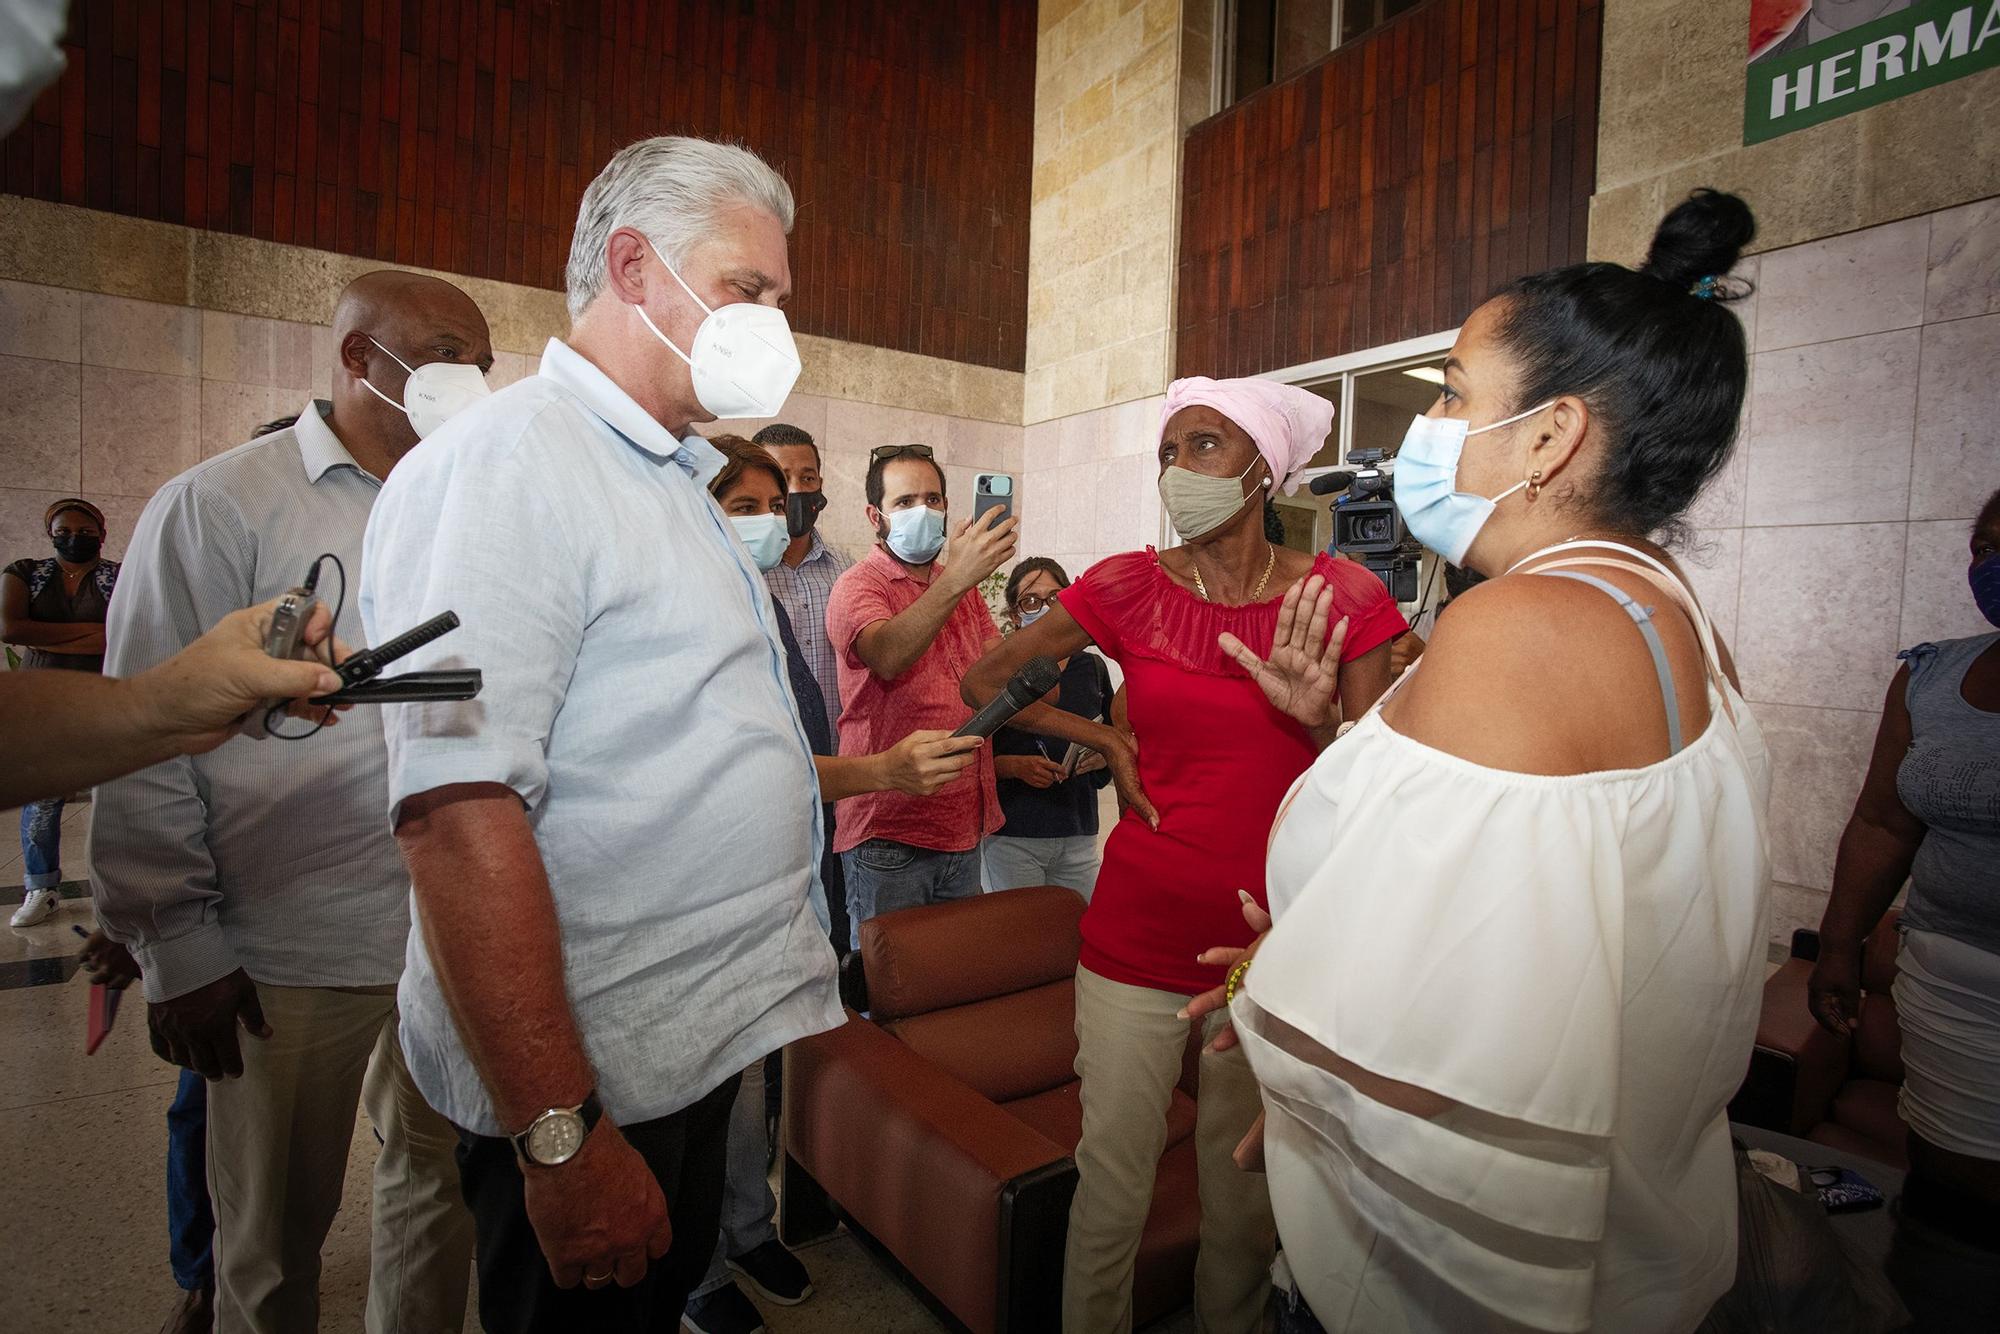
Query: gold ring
[1233,981]
[597,1278]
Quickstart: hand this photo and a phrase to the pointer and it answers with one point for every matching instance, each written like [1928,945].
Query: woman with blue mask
[1929,815]
[1048,797]
[751,490]
[1519,942]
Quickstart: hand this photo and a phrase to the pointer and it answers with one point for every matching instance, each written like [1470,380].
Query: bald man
[258,886]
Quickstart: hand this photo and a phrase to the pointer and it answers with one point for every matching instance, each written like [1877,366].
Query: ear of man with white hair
[678,270]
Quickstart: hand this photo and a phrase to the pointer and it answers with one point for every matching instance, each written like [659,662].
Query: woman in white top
[1520,906]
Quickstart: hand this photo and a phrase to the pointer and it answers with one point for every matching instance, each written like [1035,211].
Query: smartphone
[993,491]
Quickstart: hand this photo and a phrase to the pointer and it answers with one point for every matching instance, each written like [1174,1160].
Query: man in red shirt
[906,628]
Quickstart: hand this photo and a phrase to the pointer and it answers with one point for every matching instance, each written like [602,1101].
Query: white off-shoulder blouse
[1572,967]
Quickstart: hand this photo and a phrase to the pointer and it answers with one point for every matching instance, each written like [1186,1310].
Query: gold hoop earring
[1535,485]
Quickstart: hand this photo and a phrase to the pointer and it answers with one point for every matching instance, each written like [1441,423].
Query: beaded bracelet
[1233,981]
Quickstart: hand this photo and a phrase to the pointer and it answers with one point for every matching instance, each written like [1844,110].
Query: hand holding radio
[351,678]
[225,679]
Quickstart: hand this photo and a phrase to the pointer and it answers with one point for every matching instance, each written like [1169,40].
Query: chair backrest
[982,987]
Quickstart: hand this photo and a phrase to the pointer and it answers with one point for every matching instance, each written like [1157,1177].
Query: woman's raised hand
[1303,670]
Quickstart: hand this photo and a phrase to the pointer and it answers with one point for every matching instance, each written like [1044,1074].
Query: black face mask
[79,548]
[802,509]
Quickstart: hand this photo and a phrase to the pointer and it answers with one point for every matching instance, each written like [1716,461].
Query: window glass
[1266,41]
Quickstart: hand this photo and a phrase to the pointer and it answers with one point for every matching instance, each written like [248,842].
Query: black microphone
[1329,482]
[1035,679]
[369,663]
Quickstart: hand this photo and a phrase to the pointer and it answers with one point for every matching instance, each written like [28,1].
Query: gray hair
[670,188]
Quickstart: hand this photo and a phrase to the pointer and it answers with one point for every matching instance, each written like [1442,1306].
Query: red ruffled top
[1215,759]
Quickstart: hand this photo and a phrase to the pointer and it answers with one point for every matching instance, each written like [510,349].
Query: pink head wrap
[1287,424]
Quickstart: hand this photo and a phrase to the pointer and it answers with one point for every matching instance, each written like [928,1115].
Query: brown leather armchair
[940,1128]
[1840,1092]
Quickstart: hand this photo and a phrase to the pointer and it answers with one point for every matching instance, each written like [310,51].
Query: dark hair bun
[1701,237]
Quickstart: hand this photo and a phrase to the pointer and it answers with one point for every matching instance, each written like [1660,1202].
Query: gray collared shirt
[636,698]
[804,590]
[265,855]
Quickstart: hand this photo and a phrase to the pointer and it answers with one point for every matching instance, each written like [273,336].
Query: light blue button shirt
[268,856]
[635,697]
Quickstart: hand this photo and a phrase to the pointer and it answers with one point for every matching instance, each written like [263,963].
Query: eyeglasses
[1035,601]
[881,452]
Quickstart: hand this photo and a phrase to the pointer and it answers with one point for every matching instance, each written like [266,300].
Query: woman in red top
[1217,736]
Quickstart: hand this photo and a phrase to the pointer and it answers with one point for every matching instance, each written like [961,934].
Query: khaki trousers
[277,1155]
[1129,1047]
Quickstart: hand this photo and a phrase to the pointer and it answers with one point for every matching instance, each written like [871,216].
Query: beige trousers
[277,1155]
[1129,1047]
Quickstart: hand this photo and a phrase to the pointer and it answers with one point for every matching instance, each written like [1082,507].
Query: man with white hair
[613,848]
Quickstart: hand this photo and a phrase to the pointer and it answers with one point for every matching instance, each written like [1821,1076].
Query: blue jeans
[1018,863]
[885,876]
[190,1220]
[41,844]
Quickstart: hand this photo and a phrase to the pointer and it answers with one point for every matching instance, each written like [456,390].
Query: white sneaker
[39,906]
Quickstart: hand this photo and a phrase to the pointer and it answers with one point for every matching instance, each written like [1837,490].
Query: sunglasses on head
[881,452]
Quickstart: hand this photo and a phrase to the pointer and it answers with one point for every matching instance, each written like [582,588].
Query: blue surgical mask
[1985,580]
[1024,619]
[916,535]
[1439,515]
[765,535]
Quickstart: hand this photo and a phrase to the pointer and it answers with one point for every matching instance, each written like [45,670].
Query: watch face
[555,1137]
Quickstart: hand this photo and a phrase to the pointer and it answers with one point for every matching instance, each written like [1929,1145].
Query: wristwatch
[554,1137]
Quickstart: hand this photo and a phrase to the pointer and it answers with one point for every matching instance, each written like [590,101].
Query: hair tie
[1707,289]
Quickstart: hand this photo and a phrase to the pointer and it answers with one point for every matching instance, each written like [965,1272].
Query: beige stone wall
[87,251]
[131,350]
[1671,118]
[1836,536]
[1106,188]
[1117,84]
[1837,533]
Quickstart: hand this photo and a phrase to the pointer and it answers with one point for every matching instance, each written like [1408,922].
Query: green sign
[1807,65]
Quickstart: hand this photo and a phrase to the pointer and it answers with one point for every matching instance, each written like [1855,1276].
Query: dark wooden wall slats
[1385,192]
[459,134]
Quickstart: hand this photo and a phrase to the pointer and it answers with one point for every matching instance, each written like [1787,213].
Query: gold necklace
[1270,561]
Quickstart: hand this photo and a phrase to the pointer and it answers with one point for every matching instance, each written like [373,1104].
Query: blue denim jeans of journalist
[886,876]
[190,1220]
[41,844]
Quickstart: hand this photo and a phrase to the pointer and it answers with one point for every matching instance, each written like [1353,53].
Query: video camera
[1366,524]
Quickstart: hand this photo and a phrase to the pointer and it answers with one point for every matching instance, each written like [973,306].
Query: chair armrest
[1787,1030]
[915,1157]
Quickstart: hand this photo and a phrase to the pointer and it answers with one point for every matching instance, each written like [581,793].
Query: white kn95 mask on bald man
[436,391]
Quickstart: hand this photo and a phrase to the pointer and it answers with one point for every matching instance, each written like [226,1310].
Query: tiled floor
[83,1226]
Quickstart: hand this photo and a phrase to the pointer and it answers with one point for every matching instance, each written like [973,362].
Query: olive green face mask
[1198,504]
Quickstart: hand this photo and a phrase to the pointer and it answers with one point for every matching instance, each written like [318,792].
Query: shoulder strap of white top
[1642,616]
[1661,577]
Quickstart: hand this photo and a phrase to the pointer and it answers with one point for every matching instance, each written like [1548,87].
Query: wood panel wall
[1385,192]
[459,134]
